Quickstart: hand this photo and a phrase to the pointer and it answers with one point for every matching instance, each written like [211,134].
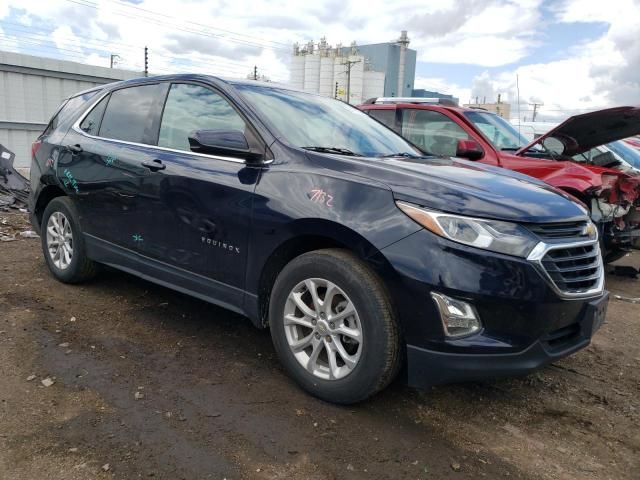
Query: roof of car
[419,106]
[199,76]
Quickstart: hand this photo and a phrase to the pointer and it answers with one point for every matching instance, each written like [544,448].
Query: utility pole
[535,110]
[255,72]
[349,64]
[112,61]
[146,62]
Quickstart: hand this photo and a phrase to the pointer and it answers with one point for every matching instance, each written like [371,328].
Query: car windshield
[324,124]
[627,153]
[497,130]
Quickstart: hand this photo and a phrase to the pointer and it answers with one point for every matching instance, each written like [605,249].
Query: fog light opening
[459,318]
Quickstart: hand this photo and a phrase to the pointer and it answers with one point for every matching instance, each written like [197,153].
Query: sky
[571,56]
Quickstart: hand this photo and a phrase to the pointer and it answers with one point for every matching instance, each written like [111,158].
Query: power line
[134,50]
[81,55]
[173,26]
[128,5]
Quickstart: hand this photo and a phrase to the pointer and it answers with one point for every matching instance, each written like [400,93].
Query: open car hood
[581,133]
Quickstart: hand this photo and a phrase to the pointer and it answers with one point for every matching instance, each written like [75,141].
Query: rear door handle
[155,165]
[74,149]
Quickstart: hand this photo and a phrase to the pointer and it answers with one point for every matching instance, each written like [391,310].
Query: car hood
[474,189]
[588,130]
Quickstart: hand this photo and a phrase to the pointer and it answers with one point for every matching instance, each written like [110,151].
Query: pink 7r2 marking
[320,196]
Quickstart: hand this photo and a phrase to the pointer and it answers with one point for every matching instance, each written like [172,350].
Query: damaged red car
[440,127]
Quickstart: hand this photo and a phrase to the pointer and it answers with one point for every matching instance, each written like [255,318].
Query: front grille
[574,269]
[555,231]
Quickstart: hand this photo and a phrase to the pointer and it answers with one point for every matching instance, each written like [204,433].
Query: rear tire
[343,346]
[63,245]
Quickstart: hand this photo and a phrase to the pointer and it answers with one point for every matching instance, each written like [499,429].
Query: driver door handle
[155,165]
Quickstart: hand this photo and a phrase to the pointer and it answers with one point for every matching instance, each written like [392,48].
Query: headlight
[501,237]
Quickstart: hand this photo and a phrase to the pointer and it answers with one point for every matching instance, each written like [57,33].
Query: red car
[440,127]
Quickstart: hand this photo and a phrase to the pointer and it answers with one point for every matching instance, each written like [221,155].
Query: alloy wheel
[59,240]
[323,329]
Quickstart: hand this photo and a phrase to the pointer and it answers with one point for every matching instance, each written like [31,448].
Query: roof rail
[392,100]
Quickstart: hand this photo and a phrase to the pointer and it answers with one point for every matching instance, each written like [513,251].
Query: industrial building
[357,72]
[499,108]
[32,88]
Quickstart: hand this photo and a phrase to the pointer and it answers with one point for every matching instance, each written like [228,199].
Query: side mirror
[469,149]
[231,143]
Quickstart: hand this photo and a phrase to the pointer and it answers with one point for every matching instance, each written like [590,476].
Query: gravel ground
[119,378]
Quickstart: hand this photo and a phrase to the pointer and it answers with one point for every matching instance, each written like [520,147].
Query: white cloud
[490,33]
[595,74]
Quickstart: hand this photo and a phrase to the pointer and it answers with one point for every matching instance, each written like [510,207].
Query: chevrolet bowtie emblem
[589,230]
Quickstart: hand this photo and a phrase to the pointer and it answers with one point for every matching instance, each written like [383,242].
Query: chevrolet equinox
[362,255]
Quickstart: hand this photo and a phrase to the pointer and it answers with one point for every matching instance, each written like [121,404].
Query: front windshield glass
[627,153]
[315,122]
[497,130]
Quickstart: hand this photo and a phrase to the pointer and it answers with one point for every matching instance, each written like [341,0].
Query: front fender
[349,210]
[571,176]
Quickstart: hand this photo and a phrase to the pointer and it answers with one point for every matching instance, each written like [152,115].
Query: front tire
[333,326]
[63,244]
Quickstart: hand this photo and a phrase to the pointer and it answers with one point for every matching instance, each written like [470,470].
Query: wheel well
[277,261]
[47,194]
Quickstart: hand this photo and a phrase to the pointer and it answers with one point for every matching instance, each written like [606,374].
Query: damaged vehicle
[364,257]
[441,127]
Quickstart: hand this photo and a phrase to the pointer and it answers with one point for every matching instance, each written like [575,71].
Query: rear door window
[386,116]
[191,107]
[432,131]
[129,114]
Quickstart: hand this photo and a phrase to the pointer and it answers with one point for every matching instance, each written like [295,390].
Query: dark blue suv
[364,256]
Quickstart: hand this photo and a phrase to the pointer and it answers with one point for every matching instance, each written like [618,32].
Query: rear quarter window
[91,123]
[68,110]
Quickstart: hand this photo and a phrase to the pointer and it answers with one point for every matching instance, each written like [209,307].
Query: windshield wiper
[341,151]
[401,154]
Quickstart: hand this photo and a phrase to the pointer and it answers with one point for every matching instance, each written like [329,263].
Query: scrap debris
[625,271]
[14,188]
[14,194]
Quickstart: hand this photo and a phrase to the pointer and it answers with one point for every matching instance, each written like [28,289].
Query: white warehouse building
[32,88]
[325,70]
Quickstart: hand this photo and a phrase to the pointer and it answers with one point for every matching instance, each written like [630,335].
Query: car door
[203,214]
[107,161]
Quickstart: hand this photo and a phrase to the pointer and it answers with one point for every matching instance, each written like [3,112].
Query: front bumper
[525,323]
[428,367]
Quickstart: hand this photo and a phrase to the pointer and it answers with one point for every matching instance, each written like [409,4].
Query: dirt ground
[149,383]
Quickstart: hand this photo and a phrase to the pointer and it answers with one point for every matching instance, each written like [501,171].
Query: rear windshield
[68,108]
